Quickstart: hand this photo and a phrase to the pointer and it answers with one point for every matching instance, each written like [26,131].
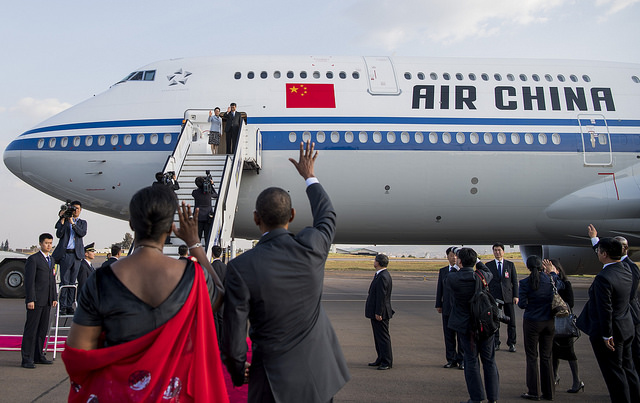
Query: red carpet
[12,343]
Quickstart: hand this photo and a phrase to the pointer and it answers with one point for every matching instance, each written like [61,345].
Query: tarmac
[417,341]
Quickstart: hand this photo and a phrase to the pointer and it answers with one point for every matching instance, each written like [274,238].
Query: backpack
[484,310]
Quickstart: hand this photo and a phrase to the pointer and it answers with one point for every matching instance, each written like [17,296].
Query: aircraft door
[381,75]
[596,140]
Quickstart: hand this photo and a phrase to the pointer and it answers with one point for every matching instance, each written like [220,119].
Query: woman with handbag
[563,346]
[535,296]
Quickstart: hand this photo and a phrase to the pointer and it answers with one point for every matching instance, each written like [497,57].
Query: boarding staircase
[60,323]
[192,158]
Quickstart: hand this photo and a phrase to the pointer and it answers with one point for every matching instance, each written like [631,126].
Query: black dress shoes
[383,367]
[450,364]
[512,348]
[374,364]
[530,397]
[44,361]
[461,367]
[29,365]
[578,389]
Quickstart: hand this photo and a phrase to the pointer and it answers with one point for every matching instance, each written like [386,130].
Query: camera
[167,177]
[208,182]
[69,209]
[501,316]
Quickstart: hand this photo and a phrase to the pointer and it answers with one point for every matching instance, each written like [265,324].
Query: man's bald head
[273,207]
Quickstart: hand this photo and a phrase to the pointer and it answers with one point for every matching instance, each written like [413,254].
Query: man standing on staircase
[69,252]
[232,121]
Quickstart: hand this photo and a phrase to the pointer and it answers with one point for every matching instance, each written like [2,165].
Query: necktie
[500,268]
[49,261]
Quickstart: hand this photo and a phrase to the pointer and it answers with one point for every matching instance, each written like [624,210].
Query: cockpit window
[148,75]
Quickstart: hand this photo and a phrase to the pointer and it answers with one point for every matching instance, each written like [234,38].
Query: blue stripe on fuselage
[414,140]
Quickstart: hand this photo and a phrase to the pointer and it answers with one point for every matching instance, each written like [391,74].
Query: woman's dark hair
[151,212]
[534,264]
[558,266]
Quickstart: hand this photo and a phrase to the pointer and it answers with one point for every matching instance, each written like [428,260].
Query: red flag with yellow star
[310,96]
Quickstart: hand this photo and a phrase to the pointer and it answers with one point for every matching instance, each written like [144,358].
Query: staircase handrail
[176,159]
[218,216]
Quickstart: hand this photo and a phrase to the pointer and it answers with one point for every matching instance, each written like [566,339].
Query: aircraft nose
[13,158]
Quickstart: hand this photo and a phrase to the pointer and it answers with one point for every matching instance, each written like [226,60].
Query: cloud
[36,110]
[398,22]
[615,6]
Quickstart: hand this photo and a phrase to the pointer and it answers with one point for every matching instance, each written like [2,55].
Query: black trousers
[472,349]
[617,369]
[69,268]
[35,332]
[509,311]
[451,338]
[538,337]
[382,340]
[232,139]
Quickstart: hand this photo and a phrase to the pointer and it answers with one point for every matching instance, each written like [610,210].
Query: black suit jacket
[277,286]
[379,298]
[443,297]
[634,302]
[461,285]
[83,274]
[503,287]
[63,232]
[39,282]
[232,124]
[220,268]
[607,311]
[108,262]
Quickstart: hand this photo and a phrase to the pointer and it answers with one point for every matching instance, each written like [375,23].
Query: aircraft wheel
[12,280]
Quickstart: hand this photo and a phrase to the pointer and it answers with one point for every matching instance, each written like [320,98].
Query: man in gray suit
[277,286]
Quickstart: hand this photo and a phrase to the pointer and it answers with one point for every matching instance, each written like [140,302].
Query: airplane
[412,150]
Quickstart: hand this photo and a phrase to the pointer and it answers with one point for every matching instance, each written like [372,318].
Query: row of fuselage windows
[422,76]
[432,137]
[335,137]
[102,140]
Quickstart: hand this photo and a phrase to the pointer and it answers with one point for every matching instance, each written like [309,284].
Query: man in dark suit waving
[40,290]
[606,318]
[232,122]
[634,302]
[378,309]
[504,286]
[277,286]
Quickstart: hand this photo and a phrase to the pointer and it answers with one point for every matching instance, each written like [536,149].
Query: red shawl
[179,361]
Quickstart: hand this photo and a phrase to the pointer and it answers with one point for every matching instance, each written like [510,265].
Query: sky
[56,54]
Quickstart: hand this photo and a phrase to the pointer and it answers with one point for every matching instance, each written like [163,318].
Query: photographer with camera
[203,197]
[69,252]
[166,179]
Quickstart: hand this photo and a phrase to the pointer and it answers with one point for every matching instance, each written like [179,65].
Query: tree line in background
[125,244]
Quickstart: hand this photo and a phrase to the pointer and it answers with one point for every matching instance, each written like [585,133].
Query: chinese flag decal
[310,96]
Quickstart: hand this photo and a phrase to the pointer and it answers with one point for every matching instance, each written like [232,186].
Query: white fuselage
[415,151]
